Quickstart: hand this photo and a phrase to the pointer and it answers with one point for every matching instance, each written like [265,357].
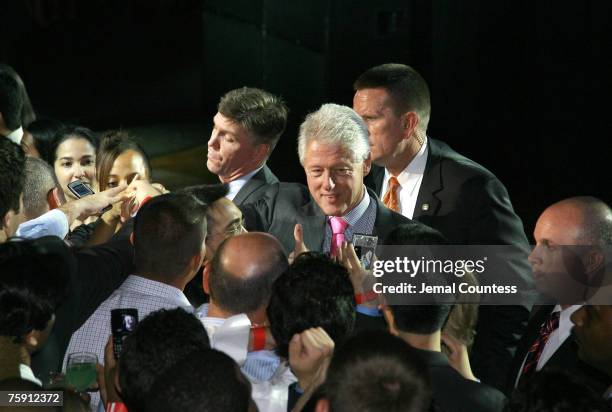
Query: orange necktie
[390,199]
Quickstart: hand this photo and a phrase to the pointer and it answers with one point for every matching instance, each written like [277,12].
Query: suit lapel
[258,180]
[428,202]
[313,226]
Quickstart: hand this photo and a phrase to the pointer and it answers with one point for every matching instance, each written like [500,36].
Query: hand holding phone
[123,322]
[81,189]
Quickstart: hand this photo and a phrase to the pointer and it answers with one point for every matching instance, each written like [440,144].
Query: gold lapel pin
[425,206]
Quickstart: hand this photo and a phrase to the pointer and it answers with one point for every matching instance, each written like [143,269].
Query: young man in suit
[425,180]
[334,151]
[567,257]
[247,126]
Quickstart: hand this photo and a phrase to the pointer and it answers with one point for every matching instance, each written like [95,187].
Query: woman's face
[75,160]
[125,168]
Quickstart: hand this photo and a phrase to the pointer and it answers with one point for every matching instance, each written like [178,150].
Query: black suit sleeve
[499,327]
[99,271]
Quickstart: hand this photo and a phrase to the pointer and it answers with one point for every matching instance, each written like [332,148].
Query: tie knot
[393,182]
[338,224]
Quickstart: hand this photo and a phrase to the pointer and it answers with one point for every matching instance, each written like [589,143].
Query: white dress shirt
[559,335]
[237,184]
[410,182]
[136,292]
[269,376]
[26,374]
[16,135]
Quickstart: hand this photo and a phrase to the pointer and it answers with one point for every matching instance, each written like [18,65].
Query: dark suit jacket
[452,392]
[254,189]
[469,205]
[564,358]
[285,204]
[99,271]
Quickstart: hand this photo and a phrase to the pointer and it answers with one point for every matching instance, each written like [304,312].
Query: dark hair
[43,132]
[257,111]
[207,194]
[375,371]
[12,165]
[27,114]
[555,391]
[112,145]
[33,282]
[206,381]
[168,231]
[160,340]
[39,180]
[405,85]
[417,318]
[315,291]
[243,294]
[72,132]
[11,101]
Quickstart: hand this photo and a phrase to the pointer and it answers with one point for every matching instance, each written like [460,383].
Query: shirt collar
[355,213]
[152,287]
[415,167]
[16,135]
[236,184]
[565,322]
[26,374]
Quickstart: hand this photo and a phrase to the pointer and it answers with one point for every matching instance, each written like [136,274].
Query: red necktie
[531,361]
[390,199]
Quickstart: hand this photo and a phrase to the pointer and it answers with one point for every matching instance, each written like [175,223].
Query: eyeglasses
[234,229]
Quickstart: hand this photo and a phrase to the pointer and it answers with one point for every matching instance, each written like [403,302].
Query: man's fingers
[352,256]
[109,356]
[297,234]
[295,347]
[114,191]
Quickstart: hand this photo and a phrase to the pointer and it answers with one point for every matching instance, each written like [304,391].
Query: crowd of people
[251,294]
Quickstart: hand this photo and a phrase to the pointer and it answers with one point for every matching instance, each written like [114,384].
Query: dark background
[521,87]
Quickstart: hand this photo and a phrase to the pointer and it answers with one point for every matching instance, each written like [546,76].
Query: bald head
[569,258]
[243,271]
[585,220]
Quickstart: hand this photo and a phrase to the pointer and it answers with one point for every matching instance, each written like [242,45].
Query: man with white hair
[334,150]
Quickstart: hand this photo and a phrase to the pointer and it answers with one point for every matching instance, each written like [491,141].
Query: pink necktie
[338,226]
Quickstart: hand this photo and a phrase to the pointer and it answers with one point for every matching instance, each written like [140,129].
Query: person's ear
[594,261]
[367,164]
[31,340]
[205,279]
[5,228]
[5,220]
[390,318]
[262,151]
[55,198]
[196,262]
[410,121]
[322,405]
